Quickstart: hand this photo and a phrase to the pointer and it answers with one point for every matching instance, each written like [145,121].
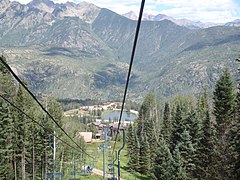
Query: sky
[217,11]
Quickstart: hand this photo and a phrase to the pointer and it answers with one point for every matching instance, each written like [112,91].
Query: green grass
[125,174]
[90,176]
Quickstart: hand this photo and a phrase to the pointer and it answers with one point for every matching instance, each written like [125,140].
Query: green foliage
[164,162]
[224,108]
[6,81]
[166,129]
[178,127]
[179,172]
[206,150]
[187,153]
[224,101]
[145,156]
[25,146]
[236,126]
[6,134]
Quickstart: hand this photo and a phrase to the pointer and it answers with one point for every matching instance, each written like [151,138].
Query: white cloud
[214,10]
[198,10]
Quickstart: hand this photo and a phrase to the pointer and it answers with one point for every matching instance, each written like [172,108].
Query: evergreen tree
[167,124]
[136,153]
[7,89]
[195,135]
[147,124]
[48,133]
[34,146]
[21,125]
[145,156]
[224,107]
[206,157]
[178,128]
[236,127]
[187,153]
[179,172]
[5,142]
[202,106]
[237,137]
[133,147]
[224,102]
[129,138]
[194,128]
[163,168]
[130,144]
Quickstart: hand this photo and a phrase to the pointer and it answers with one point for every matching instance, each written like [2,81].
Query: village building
[87,136]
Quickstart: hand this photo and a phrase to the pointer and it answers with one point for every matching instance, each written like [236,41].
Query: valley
[86,54]
[72,106]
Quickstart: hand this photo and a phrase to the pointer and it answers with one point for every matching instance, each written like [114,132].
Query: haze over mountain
[181,22]
[233,23]
[82,51]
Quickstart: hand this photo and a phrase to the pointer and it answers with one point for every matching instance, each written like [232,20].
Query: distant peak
[235,22]
[4,1]
[47,2]
[84,3]
[130,15]
[44,5]
[131,12]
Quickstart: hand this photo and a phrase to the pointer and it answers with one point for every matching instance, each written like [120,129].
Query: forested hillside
[27,133]
[183,90]
[189,137]
[88,49]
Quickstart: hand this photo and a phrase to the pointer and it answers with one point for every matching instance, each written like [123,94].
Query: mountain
[70,54]
[44,5]
[131,15]
[233,23]
[85,11]
[181,22]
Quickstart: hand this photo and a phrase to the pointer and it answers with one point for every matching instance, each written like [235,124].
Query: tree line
[26,148]
[189,137]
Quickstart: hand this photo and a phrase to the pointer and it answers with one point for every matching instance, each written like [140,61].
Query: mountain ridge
[87,56]
[181,22]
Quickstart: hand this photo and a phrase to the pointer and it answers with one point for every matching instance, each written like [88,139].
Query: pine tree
[147,124]
[34,146]
[129,138]
[178,128]
[167,124]
[136,154]
[5,141]
[21,125]
[145,156]
[164,166]
[148,118]
[179,172]
[202,106]
[224,102]
[130,144]
[194,128]
[236,127]
[224,107]
[237,136]
[48,133]
[207,156]
[7,89]
[187,153]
